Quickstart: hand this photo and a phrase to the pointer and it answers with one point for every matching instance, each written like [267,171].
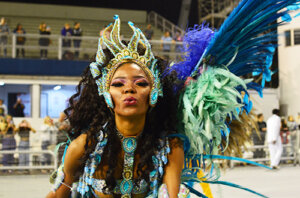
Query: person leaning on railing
[44,41]
[4,30]
[8,141]
[48,130]
[24,130]
[20,39]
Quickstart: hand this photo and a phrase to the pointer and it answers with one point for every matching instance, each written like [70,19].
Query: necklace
[129,145]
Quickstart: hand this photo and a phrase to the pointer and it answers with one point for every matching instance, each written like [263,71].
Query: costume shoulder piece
[214,102]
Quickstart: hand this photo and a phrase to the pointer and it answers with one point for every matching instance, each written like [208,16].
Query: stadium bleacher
[90,24]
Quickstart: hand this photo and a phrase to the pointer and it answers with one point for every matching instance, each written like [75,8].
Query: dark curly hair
[88,112]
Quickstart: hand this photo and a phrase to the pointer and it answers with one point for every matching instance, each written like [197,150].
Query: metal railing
[57,50]
[291,156]
[30,166]
[163,24]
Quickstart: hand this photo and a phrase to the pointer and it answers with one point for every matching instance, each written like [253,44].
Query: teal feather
[207,102]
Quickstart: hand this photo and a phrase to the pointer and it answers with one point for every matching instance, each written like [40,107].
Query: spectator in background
[77,31]
[178,47]
[166,40]
[63,125]
[9,119]
[8,143]
[4,30]
[259,140]
[3,109]
[149,32]
[273,138]
[66,32]
[44,41]
[24,133]
[3,125]
[19,31]
[298,120]
[292,125]
[48,130]
[284,134]
[19,108]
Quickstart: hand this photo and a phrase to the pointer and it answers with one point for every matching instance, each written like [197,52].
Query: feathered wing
[214,61]
[215,106]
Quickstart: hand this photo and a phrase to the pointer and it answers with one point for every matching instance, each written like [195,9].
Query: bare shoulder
[177,152]
[77,145]
[176,143]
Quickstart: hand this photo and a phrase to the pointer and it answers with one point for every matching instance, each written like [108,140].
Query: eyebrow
[135,77]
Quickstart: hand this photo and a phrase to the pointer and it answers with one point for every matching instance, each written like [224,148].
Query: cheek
[115,95]
[145,95]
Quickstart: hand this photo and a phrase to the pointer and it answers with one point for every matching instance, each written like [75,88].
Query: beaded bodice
[87,184]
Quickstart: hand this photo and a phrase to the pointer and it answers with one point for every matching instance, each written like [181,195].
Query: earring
[108,100]
[153,97]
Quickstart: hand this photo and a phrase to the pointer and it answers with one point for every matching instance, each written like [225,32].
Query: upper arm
[174,168]
[71,164]
[74,154]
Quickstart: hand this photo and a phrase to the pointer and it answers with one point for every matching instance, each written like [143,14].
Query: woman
[19,31]
[132,118]
[48,130]
[44,40]
[292,125]
[8,143]
[24,133]
[125,140]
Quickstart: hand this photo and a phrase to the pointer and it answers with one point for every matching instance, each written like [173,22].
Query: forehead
[128,70]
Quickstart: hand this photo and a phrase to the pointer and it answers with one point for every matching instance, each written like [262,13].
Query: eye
[143,84]
[117,84]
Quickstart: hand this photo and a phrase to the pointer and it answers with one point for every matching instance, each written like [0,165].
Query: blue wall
[42,67]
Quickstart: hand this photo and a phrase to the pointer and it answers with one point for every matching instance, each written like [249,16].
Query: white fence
[57,50]
[32,165]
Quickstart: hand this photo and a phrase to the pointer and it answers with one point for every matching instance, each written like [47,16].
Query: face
[24,123]
[2,20]
[8,118]
[130,89]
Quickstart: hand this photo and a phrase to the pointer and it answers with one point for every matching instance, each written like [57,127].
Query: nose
[129,88]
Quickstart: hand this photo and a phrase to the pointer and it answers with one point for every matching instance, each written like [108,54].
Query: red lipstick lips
[130,101]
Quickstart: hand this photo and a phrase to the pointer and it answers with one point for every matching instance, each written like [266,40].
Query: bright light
[58,87]
[2,83]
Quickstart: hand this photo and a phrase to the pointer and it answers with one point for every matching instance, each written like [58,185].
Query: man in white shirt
[273,138]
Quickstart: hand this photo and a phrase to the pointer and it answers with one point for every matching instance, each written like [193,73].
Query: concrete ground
[284,183]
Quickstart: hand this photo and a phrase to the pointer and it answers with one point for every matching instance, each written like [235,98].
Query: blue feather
[243,29]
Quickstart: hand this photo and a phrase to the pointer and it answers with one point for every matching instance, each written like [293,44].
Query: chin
[131,113]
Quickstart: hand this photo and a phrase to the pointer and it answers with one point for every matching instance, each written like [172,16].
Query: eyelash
[119,84]
[142,84]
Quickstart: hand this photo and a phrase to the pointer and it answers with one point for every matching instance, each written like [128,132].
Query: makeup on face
[130,88]
[137,80]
